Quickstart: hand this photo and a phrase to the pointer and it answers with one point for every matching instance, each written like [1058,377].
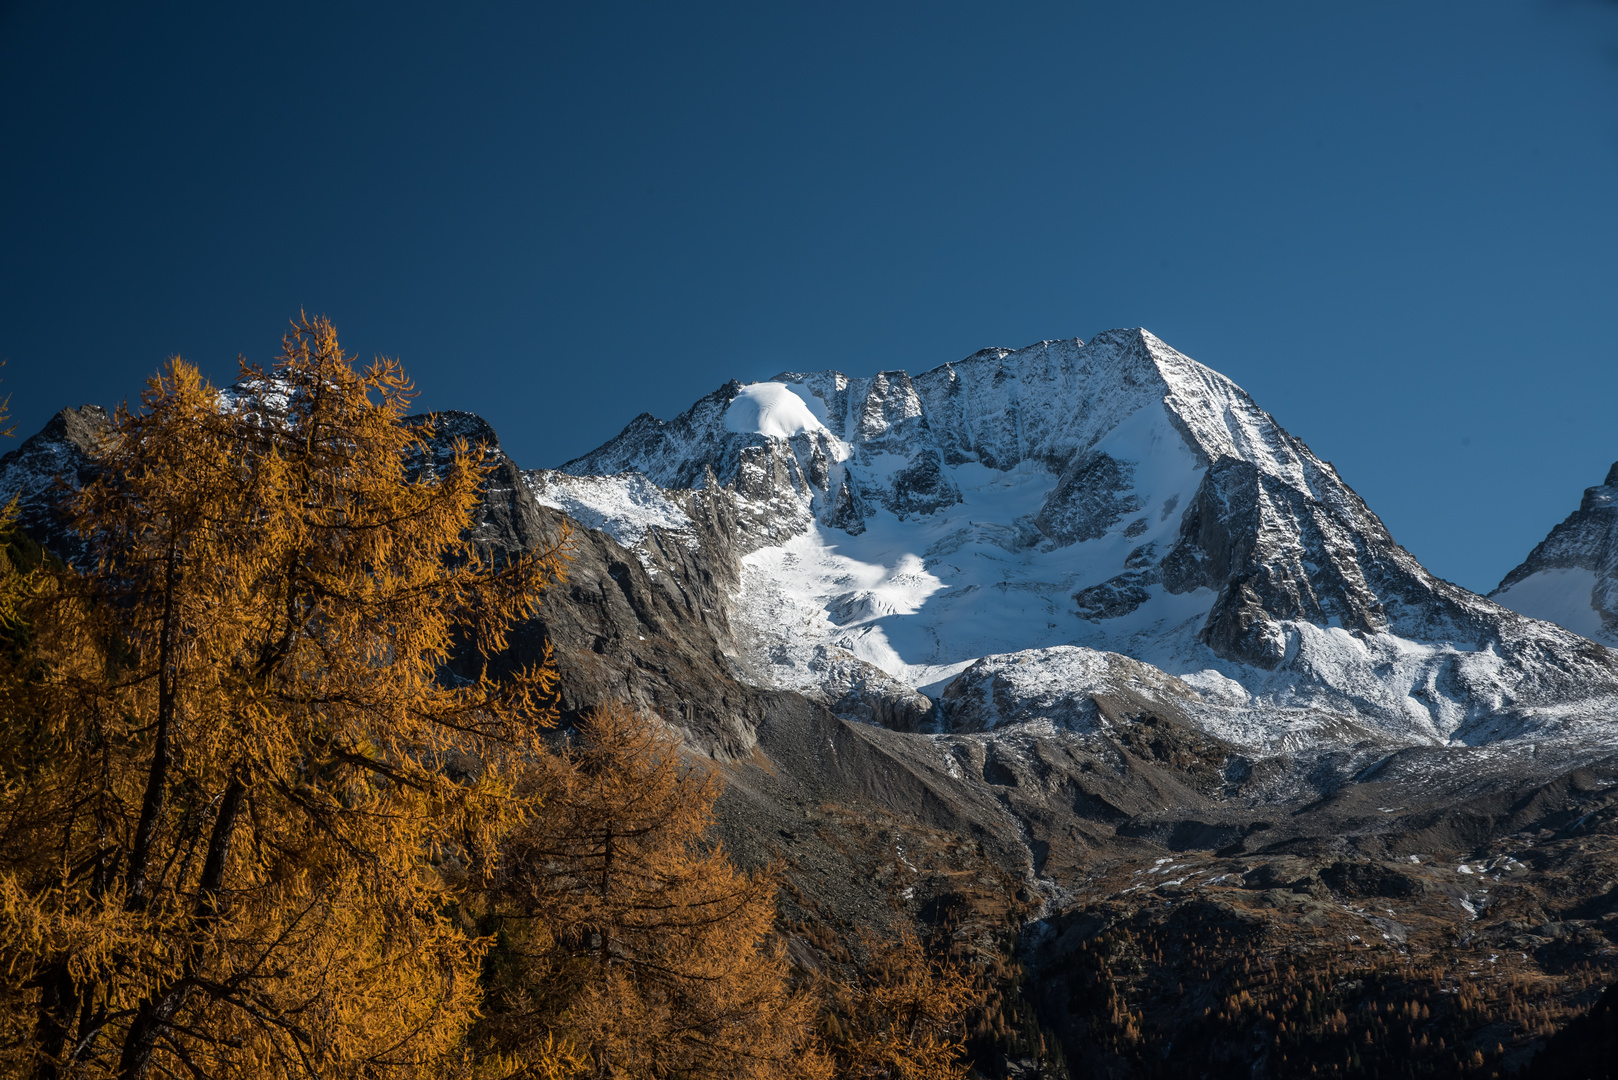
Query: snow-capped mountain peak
[894,530]
[1047,526]
[771,410]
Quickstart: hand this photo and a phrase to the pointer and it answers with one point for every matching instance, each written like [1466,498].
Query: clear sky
[1393,223]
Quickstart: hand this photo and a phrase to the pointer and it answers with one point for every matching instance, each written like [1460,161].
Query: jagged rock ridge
[56,459]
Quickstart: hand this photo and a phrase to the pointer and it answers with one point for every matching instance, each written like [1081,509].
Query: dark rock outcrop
[1091,496]
[51,463]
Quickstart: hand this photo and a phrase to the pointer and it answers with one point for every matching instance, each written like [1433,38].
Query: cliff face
[647,629]
[48,465]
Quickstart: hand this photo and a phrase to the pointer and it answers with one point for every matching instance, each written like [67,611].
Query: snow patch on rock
[1561,595]
[770,409]
[1571,577]
[624,507]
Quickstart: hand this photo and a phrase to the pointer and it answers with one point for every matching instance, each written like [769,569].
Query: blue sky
[1393,223]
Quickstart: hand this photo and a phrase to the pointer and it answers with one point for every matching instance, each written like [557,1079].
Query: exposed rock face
[1571,578]
[508,520]
[1072,689]
[1091,496]
[621,634]
[644,628]
[692,541]
[48,465]
[770,480]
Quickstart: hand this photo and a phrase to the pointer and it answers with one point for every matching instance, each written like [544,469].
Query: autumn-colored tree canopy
[261,815]
[632,937]
[900,1015]
[238,797]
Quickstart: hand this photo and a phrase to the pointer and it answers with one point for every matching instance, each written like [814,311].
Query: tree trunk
[151,807]
[157,1012]
[603,1053]
[213,869]
[58,1001]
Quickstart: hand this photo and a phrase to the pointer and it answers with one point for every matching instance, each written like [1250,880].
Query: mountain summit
[894,531]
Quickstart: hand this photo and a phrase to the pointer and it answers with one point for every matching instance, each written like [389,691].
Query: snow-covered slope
[1114,496]
[1571,578]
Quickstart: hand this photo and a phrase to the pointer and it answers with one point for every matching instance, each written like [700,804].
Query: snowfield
[625,507]
[1561,596]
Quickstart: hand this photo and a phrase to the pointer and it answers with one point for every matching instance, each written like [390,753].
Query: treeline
[265,812]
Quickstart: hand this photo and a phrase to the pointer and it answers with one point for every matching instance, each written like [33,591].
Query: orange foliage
[237,801]
[249,821]
[629,935]
[901,1015]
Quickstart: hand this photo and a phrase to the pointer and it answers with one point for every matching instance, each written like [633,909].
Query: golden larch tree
[629,933]
[241,801]
[900,1014]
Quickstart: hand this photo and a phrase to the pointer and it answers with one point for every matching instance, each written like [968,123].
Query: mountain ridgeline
[1572,576]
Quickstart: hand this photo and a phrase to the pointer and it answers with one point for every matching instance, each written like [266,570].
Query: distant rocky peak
[1571,577]
[1604,495]
[452,424]
[891,408]
[49,465]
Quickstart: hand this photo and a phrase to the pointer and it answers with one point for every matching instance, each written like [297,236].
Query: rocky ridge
[53,461]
